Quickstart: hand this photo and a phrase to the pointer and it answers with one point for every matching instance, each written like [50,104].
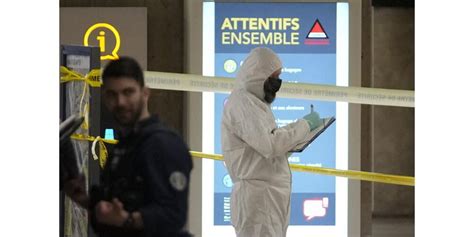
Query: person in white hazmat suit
[255,150]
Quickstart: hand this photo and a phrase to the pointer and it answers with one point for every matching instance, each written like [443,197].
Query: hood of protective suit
[257,67]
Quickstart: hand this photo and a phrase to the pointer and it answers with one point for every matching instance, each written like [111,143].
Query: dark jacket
[148,172]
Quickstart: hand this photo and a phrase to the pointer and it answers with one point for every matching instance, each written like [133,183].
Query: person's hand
[313,120]
[111,213]
[76,189]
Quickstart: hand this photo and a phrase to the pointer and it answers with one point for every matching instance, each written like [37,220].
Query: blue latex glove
[313,120]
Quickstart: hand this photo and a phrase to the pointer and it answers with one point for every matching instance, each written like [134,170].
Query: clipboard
[314,134]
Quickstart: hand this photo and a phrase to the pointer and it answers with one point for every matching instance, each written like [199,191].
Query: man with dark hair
[145,183]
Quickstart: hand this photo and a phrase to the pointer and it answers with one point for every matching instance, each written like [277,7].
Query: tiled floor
[393,227]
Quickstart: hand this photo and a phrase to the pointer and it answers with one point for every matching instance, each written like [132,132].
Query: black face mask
[271,86]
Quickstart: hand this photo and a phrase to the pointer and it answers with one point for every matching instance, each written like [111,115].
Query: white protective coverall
[255,151]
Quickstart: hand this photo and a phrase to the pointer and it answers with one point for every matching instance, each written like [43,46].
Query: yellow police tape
[198,83]
[351,174]
[92,78]
[103,154]
[91,138]
[358,95]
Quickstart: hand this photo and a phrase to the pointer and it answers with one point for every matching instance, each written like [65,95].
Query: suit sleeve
[252,127]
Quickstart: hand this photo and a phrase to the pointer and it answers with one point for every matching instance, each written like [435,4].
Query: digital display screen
[311,40]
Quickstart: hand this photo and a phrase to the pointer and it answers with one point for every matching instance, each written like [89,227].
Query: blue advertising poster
[304,37]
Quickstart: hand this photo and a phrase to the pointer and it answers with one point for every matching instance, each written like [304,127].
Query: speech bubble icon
[314,208]
[113,55]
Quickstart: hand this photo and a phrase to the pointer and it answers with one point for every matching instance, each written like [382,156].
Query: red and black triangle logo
[317,35]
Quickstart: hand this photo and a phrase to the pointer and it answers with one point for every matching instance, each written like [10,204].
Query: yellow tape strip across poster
[92,78]
[198,83]
[358,95]
[351,174]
